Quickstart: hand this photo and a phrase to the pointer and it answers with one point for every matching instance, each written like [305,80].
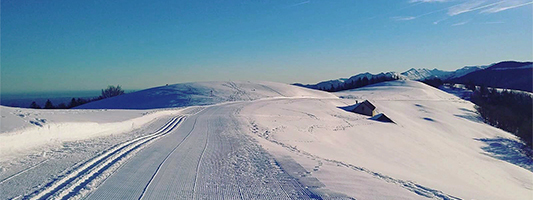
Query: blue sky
[82,45]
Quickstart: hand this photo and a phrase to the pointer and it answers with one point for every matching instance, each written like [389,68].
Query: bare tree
[112,91]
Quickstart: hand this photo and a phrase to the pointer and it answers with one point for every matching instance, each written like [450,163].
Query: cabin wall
[364,110]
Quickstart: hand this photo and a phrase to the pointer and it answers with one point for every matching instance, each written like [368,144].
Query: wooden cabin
[365,108]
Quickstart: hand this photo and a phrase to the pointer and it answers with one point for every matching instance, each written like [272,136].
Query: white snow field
[261,140]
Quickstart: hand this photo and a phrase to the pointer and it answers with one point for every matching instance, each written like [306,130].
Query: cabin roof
[382,117]
[367,104]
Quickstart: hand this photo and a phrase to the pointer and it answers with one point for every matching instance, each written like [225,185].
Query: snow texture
[262,141]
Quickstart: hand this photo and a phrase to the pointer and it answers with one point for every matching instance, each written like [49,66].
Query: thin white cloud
[470,6]
[298,4]
[461,23]
[506,6]
[429,13]
[403,18]
[487,6]
[439,21]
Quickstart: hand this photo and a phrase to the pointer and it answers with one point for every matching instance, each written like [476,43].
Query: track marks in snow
[218,161]
[208,157]
[164,160]
[409,185]
[21,172]
[199,163]
[83,178]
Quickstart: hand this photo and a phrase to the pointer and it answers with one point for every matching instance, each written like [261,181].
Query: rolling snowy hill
[200,93]
[262,140]
[438,147]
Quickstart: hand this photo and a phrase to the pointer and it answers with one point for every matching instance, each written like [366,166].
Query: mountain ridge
[418,74]
[506,75]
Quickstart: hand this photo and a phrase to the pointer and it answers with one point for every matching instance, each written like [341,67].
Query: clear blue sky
[85,45]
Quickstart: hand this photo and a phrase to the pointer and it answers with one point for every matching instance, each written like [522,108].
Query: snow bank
[27,138]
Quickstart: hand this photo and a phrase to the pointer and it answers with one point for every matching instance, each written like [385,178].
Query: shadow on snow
[508,150]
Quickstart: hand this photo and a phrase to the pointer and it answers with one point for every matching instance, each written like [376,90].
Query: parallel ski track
[164,160]
[199,163]
[72,182]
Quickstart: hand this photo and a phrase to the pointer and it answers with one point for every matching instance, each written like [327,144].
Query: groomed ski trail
[74,183]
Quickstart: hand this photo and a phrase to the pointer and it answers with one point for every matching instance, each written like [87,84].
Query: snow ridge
[81,180]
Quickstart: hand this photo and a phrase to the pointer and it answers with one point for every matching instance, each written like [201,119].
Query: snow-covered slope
[201,93]
[39,146]
[438,146]
[55,126]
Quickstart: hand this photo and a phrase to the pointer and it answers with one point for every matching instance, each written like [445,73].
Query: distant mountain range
[422,74]
[328,85]
[507,74]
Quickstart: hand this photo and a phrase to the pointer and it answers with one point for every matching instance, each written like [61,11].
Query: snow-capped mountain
[422,74]
[411,74]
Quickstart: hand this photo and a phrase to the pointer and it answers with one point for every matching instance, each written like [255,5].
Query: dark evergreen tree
[364,81]
[358,83]
[34,105]
[81,101]
[510,111]
[470,86]
[48,105]
[371,81]
[72,103]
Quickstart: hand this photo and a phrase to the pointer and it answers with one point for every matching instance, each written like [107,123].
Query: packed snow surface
[261,140]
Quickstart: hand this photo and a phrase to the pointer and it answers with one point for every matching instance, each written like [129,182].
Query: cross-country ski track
[206,157]
[98,168]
